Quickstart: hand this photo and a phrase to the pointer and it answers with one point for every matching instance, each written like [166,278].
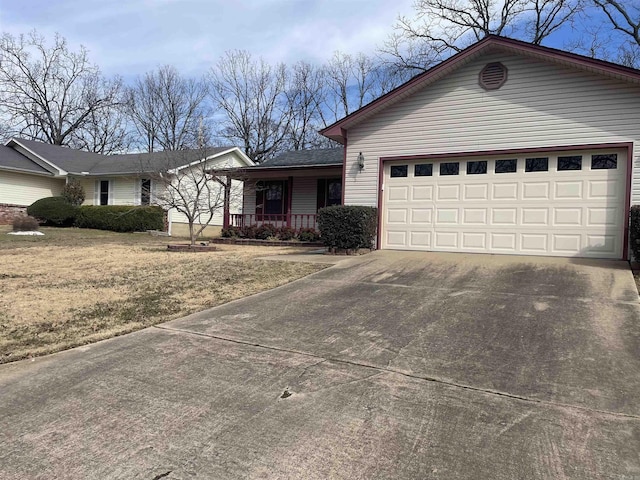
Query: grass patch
[73,287]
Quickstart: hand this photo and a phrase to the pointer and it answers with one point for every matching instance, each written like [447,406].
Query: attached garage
[564,203]
[504,148]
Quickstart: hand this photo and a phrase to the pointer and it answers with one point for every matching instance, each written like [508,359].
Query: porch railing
[293,220]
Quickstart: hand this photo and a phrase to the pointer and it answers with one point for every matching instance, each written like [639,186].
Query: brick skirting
[8,212]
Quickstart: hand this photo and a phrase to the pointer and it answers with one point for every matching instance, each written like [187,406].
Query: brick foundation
[8,212]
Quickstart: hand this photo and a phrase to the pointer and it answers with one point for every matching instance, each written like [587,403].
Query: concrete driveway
[389,365]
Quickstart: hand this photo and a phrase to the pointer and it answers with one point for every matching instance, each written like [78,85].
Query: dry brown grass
[73,287]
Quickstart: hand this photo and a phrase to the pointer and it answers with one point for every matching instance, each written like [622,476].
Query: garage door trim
[518,151]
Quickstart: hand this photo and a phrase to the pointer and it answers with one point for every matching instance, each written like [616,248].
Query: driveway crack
[387,369]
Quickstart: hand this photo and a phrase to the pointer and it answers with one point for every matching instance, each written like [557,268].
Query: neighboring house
[506,147]
[30,170]
[289,189]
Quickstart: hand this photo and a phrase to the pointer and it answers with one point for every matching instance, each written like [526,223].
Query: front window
[145,191]
[104,192]
[271,197]
[329,192]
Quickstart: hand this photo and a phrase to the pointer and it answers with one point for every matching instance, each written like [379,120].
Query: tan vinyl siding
[24,189]
[540,105]
[304,198]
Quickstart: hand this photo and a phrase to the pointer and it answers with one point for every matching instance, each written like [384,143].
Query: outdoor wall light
[361,161]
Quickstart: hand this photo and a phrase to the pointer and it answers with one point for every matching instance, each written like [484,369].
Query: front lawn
[73,287]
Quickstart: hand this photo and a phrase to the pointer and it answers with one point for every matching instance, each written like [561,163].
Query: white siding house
[548,104]
[30,170]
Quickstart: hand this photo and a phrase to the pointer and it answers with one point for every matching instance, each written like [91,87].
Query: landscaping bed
[268,243]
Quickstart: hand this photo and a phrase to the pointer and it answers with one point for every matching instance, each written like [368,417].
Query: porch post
[226,216]
[289,200]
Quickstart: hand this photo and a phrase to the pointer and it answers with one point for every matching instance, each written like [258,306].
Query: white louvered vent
[493,76]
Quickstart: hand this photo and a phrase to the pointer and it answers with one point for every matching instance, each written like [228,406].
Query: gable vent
[493,76]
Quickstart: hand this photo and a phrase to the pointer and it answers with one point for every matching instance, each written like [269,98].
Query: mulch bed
[272,243]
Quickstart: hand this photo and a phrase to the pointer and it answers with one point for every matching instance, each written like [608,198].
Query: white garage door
[563,204]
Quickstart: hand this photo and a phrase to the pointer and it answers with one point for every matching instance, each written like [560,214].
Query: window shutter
[96,193]
[111,199]
[137,191]
[154,192]
[322,188]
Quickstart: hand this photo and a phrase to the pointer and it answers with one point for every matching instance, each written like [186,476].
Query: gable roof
[56,159]
[306,158]
[490,44]
[13,160]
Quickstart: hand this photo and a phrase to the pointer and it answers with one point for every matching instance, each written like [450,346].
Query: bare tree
[624,16]
[352,81]
[252,98]
[306,94]
[193,189]
[106,131]
[167,109]
[50,93]
[441,28]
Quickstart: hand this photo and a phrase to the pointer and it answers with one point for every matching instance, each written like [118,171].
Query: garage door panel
[599,189]
[396,238]
[598,217]
[503,242]
[535,191]
[566,243]
[420,239]
[474,216]
[602,244]
[446,240]
[568,190]
[421,193]
[505,191]
[447,216]
[504,216]
[535,217]
[421,216]
[533,242]
[561,213]
[474,240]
[476,192]
[567,216]
[398,193]
[397,216]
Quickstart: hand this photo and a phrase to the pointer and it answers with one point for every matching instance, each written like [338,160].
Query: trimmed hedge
[119,218]
[267,231]
[348,226]
[54,211]
[634,231]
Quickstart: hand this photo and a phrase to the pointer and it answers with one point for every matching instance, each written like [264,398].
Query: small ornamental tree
[73,192]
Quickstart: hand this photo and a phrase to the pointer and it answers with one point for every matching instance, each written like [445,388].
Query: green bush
[308,235]
[120,218]
[635,232]
[230,232]
[286,233]
[263,232]
[348,226]
[25,224]
[54,211]
[73,192]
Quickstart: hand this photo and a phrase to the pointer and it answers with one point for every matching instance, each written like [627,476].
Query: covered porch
[288,191]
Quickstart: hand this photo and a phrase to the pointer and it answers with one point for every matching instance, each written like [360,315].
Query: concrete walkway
[389,365]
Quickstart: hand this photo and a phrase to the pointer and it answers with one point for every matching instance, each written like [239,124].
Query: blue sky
[129,37]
